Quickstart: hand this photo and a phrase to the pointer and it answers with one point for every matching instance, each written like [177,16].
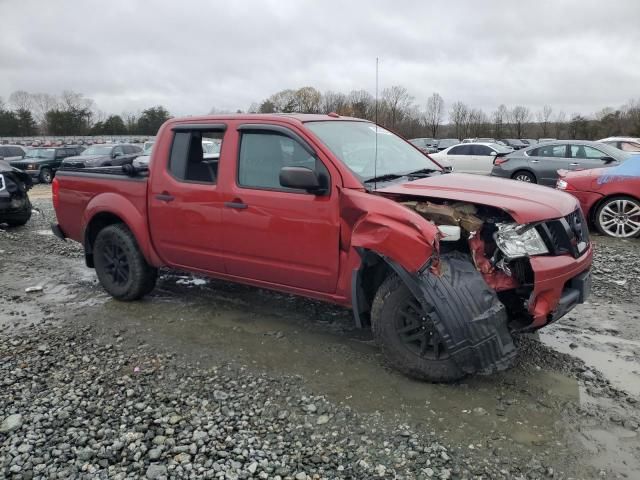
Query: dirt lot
[205,379]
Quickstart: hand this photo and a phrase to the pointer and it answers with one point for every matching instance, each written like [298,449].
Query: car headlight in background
[561,184]
[517,241]
[2,184]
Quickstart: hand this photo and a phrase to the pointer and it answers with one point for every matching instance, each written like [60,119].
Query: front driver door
[276,234]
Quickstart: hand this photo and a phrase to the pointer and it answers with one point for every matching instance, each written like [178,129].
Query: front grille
[568,235]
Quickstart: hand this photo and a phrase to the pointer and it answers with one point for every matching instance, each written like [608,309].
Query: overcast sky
[577,56]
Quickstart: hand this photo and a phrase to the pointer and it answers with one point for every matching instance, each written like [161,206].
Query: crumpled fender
[467,313]
[376,223]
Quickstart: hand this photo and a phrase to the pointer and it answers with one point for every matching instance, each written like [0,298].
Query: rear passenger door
[482,159]
[461,159]
[545,161]
[185,202]
[277,234]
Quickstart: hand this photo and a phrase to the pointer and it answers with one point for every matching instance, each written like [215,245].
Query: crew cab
[443,267]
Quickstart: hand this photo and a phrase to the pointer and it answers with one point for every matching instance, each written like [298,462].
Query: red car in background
[609,197]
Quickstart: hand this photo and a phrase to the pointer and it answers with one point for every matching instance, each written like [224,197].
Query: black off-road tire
[20,218]
[388,302]
[524,176]
[134,277]
[46,175]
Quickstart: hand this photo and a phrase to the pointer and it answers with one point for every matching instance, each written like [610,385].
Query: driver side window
[118,151]
[264,154]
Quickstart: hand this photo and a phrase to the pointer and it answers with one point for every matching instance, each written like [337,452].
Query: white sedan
[472,157]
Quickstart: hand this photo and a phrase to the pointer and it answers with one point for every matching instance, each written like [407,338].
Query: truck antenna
[375,158]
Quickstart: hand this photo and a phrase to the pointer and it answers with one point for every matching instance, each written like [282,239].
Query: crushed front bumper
[560,283]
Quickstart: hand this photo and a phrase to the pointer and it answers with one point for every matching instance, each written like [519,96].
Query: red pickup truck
[444,267]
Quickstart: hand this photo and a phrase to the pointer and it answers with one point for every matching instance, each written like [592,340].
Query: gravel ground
[91,388]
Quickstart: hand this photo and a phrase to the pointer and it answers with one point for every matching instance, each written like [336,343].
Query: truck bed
[78,189]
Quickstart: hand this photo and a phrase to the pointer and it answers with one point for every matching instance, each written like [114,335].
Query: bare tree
[397,102]
[20,100]
[284,101]
[477,122]
[519,117]
[434,114]
[334,102]
[544,119]
[499,118]
[458,115]
[308,100]
[559,124]
[361,104]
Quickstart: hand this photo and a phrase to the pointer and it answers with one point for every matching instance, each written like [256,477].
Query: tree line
[71,113]
[397,110]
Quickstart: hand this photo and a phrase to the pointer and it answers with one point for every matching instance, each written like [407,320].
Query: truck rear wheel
[408,339]
[121,268]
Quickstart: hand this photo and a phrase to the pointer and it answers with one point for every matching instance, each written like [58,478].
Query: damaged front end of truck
[474,278]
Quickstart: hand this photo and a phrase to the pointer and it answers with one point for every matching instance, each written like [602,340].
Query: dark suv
[104,155]
[42,163]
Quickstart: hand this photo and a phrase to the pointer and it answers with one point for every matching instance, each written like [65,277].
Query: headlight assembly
[2,184]
[517,241]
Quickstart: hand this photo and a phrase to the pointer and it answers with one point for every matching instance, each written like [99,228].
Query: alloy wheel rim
[417,332]
[523,178]
[620,218]
[116,263]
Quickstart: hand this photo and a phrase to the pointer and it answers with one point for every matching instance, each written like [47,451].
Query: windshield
[615,152]
[147,149]
[98,150]
[38,153]
[354,143]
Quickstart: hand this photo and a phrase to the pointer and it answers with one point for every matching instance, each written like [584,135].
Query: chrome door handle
[165,197]
[535,161]
[574,164]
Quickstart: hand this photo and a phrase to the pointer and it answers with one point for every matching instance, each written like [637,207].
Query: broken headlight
[517,241]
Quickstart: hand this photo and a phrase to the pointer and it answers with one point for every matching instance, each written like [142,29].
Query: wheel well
[97,223]
[373,270]
[513,175]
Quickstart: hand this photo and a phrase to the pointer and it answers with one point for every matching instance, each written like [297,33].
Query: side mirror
[301,178]
[608,159]
[493,153]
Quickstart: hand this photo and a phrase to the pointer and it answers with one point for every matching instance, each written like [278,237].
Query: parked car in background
[472,157]
[12,152]
[540,163]
[427,145]
[514,143]
[609,197]
[104,155]
[529,141]
[545,140]
[143,160]
[446,143]
[15,207]
[626,144]
[42,163]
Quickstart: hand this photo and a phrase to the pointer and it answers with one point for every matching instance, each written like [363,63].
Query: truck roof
[293,117]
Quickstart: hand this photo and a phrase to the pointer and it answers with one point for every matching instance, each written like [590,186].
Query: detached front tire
[121,268]
[407,337]
[21,217]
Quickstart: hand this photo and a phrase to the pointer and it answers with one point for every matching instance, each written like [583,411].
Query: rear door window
[481,150]
[189,162]
[461,150]
[551,151]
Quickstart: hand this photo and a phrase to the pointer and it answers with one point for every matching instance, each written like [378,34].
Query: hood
[524,202]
